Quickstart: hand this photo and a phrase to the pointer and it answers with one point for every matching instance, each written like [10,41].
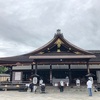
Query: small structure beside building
[4,77]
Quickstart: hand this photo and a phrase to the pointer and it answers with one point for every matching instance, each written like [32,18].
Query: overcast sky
[26,25]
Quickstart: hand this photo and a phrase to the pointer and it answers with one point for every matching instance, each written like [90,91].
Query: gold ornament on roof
[58,42]
[41,53]
[48,49]
[77,52]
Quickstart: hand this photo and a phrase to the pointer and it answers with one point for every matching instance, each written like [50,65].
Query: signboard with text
[17,76]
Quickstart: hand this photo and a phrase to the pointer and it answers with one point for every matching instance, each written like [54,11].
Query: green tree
[3,69]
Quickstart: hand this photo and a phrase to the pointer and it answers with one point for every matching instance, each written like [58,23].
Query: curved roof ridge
[45,45]
[56,36]
[76,47]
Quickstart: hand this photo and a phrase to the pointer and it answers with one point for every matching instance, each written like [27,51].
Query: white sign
[17,75]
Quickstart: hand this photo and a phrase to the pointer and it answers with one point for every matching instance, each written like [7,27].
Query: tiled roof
[68,51]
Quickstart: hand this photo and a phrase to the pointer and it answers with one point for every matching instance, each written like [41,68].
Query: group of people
[33,85]
[89,84]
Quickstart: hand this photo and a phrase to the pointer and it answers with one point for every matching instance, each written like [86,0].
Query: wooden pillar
[32,69]
[10,70]
[36,68]
[88,69]
[69,71]
[50,73]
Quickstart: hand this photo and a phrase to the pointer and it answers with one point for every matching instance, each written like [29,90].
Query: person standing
[77,82]
[67,80]
[61,86]
[91,79]
[89,87]
[31,86]
[40,82]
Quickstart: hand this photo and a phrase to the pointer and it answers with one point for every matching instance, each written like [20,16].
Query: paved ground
[52,93]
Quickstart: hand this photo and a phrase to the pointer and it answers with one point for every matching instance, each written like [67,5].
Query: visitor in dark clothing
[31,86]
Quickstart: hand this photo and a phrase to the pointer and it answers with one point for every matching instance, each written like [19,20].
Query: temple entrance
[26,75]
[59,73]
[45,75]
[78,74]
[62,74]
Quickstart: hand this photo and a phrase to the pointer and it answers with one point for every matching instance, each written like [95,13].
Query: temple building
[55,60]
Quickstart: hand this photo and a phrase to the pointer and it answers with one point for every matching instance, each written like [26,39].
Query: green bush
[3,69]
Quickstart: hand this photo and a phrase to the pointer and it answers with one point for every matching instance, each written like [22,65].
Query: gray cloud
[26,25]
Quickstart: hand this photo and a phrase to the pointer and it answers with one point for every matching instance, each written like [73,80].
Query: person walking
[89,87]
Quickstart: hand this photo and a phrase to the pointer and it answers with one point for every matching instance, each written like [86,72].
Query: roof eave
[63,57]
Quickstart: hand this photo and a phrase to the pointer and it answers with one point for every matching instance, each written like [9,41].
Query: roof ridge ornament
[58,33]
